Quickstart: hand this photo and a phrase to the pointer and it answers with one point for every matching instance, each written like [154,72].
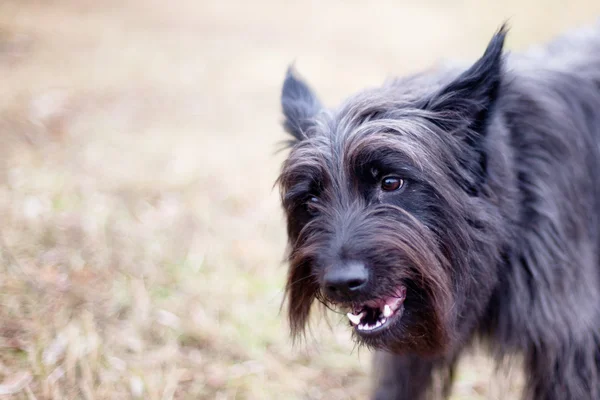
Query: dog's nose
[345,279]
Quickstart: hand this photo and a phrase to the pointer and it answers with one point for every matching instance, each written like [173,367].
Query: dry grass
[141,240]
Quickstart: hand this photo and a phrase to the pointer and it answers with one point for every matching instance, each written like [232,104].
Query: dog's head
[381,199]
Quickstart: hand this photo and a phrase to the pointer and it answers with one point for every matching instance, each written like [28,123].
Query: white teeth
[366,327]
[355,319]
[387,311]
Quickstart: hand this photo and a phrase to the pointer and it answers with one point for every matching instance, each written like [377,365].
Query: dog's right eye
[391,183]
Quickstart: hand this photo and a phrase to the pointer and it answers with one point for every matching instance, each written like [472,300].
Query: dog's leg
[410,377]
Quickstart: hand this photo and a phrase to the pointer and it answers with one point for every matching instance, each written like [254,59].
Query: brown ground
[141,239]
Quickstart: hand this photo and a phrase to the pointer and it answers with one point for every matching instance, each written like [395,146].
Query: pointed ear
[299,104]
[467,101]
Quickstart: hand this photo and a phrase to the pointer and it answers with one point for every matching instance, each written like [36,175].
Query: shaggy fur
[495,233]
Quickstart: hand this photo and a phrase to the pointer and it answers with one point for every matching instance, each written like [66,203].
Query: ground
[142,241]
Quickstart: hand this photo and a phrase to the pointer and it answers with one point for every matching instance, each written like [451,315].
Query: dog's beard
[402,254]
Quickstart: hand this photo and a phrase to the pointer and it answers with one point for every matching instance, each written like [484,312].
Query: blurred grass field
[141,242]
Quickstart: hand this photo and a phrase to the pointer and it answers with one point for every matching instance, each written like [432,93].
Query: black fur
[299,105]
[495,234]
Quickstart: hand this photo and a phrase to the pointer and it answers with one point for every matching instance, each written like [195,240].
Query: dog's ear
[466,102]
[299,104]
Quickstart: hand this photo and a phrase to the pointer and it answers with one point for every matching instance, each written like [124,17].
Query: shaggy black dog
[456,205]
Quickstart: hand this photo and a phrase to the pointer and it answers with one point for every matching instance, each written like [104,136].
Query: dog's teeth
[366,327]
[387,311]
[355,319]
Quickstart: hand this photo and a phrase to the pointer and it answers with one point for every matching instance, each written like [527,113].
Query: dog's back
[548,305]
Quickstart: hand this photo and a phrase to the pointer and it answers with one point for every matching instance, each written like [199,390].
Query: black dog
[452,206]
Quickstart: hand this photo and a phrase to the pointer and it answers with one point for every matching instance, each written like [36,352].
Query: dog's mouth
[376,315]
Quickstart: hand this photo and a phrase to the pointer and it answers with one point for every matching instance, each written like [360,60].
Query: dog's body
[446,207]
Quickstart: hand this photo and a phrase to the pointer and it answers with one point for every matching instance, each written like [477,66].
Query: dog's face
[377,196]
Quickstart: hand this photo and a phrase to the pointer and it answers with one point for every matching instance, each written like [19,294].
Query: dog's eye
[311,205]
[391,183]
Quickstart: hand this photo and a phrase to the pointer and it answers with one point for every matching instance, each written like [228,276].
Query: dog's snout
[345,279]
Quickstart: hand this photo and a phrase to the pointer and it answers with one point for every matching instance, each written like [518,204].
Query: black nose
[345,279]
